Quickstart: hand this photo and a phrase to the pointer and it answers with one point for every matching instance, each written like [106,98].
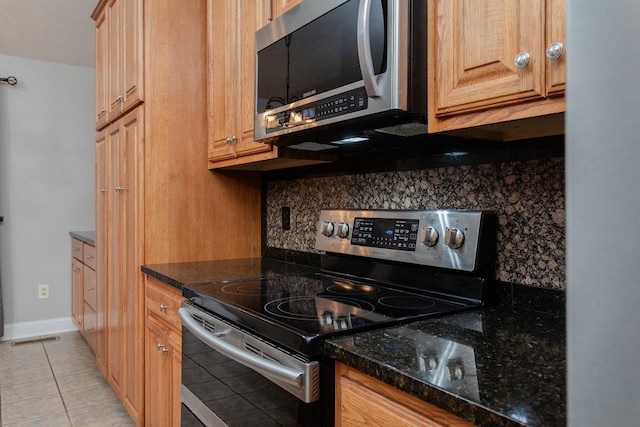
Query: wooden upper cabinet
[231,62]
[101,71]
[231,28]
[556,33]
[473,75]
[119,58]
[281,6]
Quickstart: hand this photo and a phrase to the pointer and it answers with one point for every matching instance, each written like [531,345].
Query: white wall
[603,205]
[46,188]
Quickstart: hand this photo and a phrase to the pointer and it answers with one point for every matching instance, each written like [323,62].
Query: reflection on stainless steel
[442,362]
[348,287]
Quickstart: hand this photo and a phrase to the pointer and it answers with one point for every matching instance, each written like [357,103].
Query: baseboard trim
[37,328]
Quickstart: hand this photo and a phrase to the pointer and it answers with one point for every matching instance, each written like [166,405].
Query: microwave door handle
[364,50]
[278,373]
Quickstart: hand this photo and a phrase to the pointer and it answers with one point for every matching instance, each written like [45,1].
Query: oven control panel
[438,238]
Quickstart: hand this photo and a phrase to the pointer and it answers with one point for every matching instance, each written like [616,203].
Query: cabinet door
[556,33]
[124,288]
[115,275]
[476,45]
[102,203]
[101,70]
[223,86]
[132,53]
[231,60]
[76,292]
[163,376]
[363,400]
[252,17]
[89,286]
[89,326]
[124,55]
[114,45]
[129,261]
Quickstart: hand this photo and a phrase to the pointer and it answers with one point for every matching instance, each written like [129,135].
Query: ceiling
[48,30]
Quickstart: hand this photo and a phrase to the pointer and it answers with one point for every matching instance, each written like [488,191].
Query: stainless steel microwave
[338,71]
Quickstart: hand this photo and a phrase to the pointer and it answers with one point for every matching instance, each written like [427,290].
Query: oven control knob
[327,228]
[343,230]
[453,238]
[429,236]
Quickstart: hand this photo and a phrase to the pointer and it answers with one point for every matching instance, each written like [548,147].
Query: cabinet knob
[102,190]
[162,307]
[104,110]
[522,60]
[119,98]
[554,50]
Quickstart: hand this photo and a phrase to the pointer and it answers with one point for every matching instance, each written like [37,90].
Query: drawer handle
[89,329]
[163,307]
[91,289]
[88,257]
[162,348]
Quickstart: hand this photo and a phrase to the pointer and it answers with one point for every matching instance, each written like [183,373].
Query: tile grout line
[55,379]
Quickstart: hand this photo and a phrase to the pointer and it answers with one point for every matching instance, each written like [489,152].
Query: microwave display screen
[318,57]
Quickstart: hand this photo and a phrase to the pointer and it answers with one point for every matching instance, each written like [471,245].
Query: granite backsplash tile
[527,196]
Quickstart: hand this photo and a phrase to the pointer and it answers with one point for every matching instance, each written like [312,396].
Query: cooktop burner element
[379,268]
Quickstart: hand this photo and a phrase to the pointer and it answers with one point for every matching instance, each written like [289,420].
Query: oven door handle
[272,370]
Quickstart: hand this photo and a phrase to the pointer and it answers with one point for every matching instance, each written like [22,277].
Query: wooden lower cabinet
[363,400]
[163,354]
[86,295]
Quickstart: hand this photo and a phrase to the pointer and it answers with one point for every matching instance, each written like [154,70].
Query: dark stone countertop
[519,355]
[202,272]
[89,237]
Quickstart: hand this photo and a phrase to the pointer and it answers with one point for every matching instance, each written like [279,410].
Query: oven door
[230,377]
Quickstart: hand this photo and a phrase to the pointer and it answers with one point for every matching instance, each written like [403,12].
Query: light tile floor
[56,384]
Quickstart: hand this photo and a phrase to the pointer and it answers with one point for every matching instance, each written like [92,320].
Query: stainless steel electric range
[252,348]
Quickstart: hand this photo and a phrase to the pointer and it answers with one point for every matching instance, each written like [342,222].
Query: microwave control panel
[338,105]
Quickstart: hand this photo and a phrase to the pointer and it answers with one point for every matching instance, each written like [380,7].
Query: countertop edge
[162,278]
[88,237]
[456,405]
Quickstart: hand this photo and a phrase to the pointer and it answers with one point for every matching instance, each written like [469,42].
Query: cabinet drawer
[90,292]
[89,255]
[76,249]
[163,301]
[89,324]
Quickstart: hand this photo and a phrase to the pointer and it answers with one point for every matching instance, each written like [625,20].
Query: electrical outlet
[43,291]
[286,218]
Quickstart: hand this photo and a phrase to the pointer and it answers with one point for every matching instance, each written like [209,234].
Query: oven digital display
[399,234]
